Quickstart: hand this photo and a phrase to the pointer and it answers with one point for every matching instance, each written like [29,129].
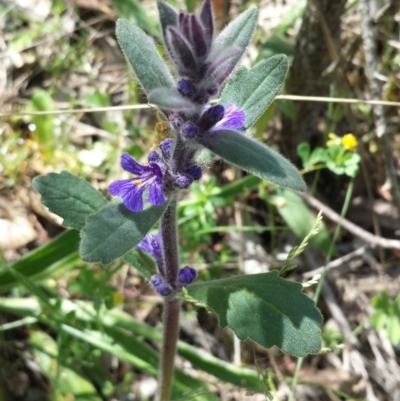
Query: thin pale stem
[171,305]
[321,281]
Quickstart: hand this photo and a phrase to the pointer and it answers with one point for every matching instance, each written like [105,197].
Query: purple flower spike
[211,116]
[183,180]
[164,289]
[233,118]
[131,190]
[186,275]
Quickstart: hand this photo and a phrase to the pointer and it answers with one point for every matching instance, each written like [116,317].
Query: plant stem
[171,304]
[170,339]
[321,281]
[170,241]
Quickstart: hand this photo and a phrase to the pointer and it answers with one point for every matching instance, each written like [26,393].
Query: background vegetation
[73,331]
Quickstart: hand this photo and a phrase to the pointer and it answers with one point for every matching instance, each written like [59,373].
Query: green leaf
[237,33]
[300,219]
[42,101]
[118,320]
[71,197]
[393,330]
[254,90]
[60,253]
[266,309]
[254,157]
[170,99]
[114,230]
[140,51]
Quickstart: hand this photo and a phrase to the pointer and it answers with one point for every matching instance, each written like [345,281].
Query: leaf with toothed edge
[114,230]
[69,196]
[266,309]
[247,153]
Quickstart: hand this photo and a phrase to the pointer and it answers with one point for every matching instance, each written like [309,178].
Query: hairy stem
[170,241]
[171,305]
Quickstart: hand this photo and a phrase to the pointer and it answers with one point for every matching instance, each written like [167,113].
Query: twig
[296,98]
[371,68]
[356,359]
[359,232]
[335,263]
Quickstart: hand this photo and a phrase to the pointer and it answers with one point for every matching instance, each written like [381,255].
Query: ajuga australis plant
[265,307]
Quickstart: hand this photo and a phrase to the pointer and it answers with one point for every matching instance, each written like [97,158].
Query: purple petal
[156,196]
[233,118]
[129,164]
[131,192]
[133,199]
[121,187]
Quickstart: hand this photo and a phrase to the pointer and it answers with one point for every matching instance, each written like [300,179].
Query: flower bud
[189,130]
[186,275]
[183,180]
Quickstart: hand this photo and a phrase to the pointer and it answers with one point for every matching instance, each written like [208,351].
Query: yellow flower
[118,298]
[349,142]
[333,140]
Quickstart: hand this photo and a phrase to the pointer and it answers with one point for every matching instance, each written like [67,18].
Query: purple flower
[186,275]
[148,177]
[152,245]
[233,118]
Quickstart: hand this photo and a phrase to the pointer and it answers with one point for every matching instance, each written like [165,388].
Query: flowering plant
[264,307]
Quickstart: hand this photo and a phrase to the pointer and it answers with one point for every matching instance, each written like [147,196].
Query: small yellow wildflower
[333,140]
[118,298]
[349,142]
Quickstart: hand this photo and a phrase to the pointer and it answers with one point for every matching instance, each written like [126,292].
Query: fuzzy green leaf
[266,309]
[68,196]
[254,157]
[237,33]
[140,51]
[254,90]
[170,99]
[114,230]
